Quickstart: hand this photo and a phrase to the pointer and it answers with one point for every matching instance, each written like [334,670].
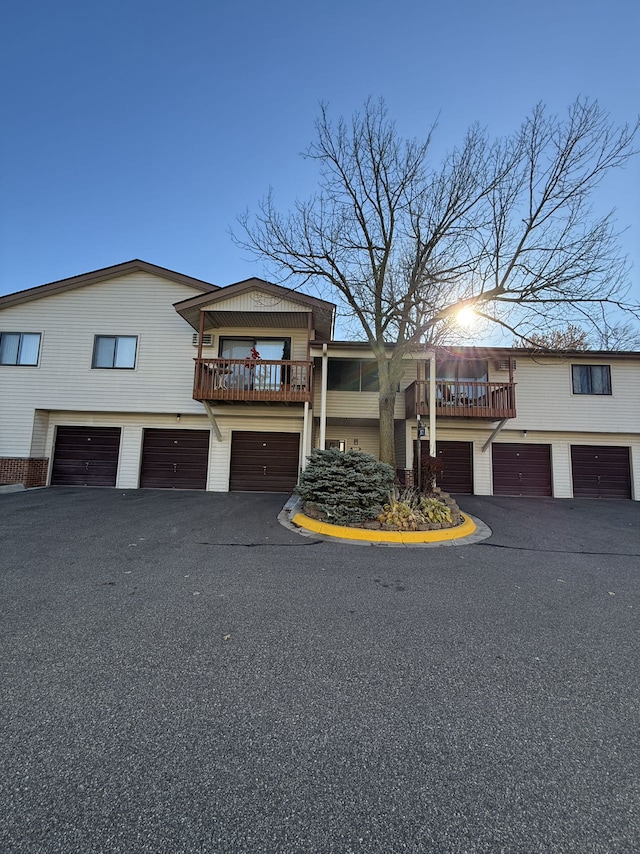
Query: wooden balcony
[491,401]
[252,381]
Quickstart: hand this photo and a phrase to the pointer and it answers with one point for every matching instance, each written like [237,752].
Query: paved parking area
[181,673]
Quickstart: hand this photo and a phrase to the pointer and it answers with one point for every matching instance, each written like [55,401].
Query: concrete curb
[471,531]
[404,537]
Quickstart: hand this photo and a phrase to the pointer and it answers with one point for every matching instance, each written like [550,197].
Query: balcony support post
[432,403]
[323,397]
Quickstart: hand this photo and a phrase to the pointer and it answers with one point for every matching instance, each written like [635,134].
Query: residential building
[136,376]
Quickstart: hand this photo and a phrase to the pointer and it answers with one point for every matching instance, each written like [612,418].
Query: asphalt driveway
[180,673]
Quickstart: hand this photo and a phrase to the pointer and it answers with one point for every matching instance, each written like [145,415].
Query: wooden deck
[252,381]
[492,401]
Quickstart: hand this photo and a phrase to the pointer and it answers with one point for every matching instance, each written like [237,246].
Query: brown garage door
[600,472]
[457,462]
[174,459]
[86,456]
[520,469]
[264,462]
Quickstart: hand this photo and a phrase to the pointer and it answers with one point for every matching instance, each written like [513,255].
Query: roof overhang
[322,312]
[358,348]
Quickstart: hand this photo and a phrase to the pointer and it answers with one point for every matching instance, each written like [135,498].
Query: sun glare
[466,317]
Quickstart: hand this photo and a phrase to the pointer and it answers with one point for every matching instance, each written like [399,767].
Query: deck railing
[494,400]
[247,380]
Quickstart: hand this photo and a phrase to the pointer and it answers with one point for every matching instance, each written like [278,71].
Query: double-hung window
[19,348]
[591,379]
[115,351]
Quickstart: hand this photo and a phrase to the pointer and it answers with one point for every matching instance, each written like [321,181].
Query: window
[591,379]
[276,349]
[19,348]
[252,368]
[458,380]
[352,375]
[114,351]
[459,370]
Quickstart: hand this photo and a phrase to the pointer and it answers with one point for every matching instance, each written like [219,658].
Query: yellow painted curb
[407,537]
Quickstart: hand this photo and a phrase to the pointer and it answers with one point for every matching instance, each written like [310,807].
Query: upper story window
[276,349]
[114,351]
[591,379]
[461,370]
[352,375]
[19,348]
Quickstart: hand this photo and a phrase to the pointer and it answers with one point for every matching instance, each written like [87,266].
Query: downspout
[323,396]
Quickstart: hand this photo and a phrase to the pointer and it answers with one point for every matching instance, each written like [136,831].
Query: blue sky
[142,128]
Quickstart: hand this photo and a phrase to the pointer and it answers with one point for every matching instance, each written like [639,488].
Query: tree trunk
[387,403]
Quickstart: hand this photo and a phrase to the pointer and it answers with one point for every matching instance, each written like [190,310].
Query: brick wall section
[29,471]
[405,477]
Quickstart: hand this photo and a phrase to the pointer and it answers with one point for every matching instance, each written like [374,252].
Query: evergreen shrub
[348,486]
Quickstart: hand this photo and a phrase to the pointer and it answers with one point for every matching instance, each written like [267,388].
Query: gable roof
[255,284]
[323,311]
[117,270]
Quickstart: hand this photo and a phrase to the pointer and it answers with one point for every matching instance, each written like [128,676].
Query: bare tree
[502,226]
[620,336]
[572,337]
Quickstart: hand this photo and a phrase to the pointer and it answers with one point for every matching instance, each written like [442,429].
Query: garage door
[520,469]
[264,462]
[86,456]
[174,459]
[600,472]
[457,461]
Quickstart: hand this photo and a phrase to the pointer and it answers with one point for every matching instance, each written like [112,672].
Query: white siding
[482,466]
[16,424]
[131,450]
[137,304]
[545,399]
[355,437]
[39,433]
[256,301]
[635,470]
[561,483]
[351,404]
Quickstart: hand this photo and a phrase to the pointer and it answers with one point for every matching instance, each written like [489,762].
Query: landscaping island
[351,495]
